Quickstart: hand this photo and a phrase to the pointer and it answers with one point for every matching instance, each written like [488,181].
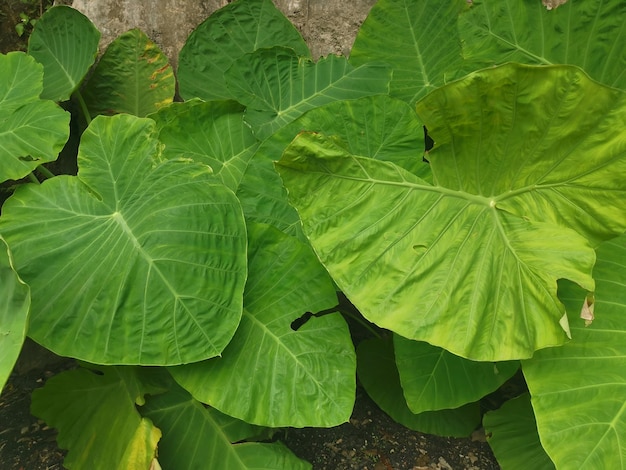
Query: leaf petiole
[44,171]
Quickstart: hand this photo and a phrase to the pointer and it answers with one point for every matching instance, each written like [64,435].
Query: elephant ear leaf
[65,42]
[33,130]
[229,33]
[282,374]
[133,76]
[470,262]
[578,389]
[412,28]
[96,415]
[588,34]
[212,440]
[157,251]
[14,308]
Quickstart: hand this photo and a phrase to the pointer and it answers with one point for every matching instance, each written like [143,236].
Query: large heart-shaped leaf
[280,376]
[210,132]
[512,432]
[14,308]
[589,34]
[240,27]
[95,413]
[195,437]
[379,376]
[418,38]
[578,390]
[32,131]
[434,379]
[138,262]
[133,76]
[66,43]
[470,263]
[278,86]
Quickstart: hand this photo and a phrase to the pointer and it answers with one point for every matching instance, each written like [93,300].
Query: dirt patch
[371,440]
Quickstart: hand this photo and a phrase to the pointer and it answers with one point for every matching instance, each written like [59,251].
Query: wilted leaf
[133,76]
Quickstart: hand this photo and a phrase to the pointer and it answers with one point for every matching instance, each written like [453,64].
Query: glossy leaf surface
[589,34]
[281,376]
[133,76]
[194,437]
[32,131]
[95,413]
[213,133]
[378,373]
[65,42]
[277,86]
[470,262]
[513,437]
[435,379]
[240,27]
[14,308]
[140,262]
[578,389]
[419,39]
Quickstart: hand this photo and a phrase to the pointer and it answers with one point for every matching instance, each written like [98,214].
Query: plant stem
[83,106]
[361,321]
[44,171]
[33,178]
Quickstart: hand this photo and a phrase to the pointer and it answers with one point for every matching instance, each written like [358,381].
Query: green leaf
[470,263]
[578,389]
[95,414]
[32,131]
[65,42]
[589,34]
[140,261]
[418,39]
[523,136]
[512,435]
[240,27]
[212,133]
[14,308]
[376,126]
[194,437]
[281,377]
[377,372]
[277,86]
[435,379]
[133,76]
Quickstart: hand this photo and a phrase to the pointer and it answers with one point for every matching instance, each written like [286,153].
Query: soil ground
[369,441]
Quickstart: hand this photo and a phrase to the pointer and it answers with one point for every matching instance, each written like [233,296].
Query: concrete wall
[328,26]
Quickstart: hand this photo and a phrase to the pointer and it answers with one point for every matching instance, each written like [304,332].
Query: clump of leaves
[207,238]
